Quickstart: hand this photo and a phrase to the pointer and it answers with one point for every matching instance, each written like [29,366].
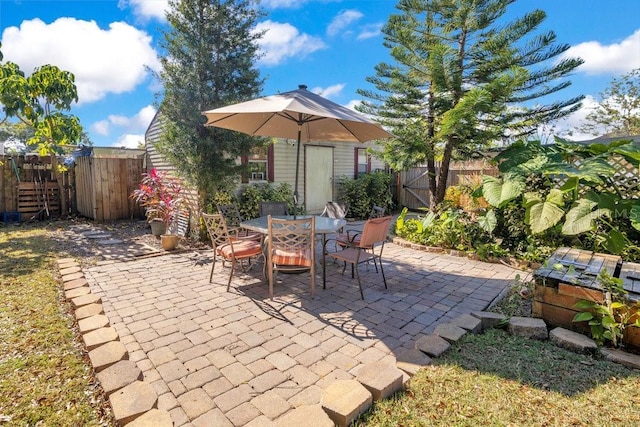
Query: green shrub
[363,193]
[251,196]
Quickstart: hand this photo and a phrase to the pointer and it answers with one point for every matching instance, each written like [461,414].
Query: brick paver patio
[235,358]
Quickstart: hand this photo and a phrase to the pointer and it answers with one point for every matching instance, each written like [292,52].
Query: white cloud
[342,21]
[330,91]
[129,141]
[101,127]
[103,61]
[353,103]
[567,126]
[370,30]
[283,41]
[616,58]
[136,124]
[147,9]
[282,4]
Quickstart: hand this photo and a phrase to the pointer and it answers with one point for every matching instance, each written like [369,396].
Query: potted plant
[160,194]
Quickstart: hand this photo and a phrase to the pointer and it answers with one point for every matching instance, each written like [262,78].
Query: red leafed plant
[160,194]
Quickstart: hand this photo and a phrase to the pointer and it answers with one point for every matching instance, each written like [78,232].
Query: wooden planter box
[570,275]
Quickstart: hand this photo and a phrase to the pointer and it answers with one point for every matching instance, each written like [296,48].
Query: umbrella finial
[304,87]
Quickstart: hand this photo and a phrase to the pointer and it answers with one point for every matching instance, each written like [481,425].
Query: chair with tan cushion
[229,249]
[368,248]
[290,248]
[234,220]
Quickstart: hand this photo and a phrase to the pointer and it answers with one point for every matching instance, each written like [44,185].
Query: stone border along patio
[149,398]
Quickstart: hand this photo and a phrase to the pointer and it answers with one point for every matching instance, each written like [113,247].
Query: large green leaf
[634,216]
[630,151]
[615,241]
[488,222]
[542,216]
[580,218]
[498,193]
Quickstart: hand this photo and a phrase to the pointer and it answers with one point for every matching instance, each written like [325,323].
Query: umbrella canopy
[298,114]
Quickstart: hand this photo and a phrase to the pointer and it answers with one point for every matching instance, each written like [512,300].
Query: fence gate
[413,188]
[413,184]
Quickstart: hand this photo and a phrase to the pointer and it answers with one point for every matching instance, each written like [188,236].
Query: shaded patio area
[233,358]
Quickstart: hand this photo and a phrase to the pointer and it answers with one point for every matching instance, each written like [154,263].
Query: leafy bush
[251,196]
[450,229]
[363,193]
[567,195]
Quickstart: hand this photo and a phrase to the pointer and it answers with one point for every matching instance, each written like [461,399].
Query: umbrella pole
[295,188]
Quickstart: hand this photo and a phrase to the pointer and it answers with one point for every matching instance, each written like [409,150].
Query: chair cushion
[241,249]
[300,258]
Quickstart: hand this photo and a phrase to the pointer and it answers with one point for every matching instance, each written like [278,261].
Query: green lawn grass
[44,375]
[495,379]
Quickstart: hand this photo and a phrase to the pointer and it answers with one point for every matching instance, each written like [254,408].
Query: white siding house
[321,165]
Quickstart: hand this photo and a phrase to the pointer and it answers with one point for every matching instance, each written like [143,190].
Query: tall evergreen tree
[460,80]
[210,50]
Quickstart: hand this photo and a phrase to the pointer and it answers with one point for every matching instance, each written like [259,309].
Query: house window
[257,162]
[362,162]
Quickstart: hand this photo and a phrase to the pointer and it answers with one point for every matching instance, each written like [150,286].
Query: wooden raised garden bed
[570,275]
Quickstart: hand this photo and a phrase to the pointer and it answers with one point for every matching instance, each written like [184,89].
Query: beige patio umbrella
[298,114]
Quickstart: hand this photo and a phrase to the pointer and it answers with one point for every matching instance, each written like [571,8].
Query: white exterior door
[318,188]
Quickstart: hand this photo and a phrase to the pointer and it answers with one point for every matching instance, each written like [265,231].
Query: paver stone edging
[133,401]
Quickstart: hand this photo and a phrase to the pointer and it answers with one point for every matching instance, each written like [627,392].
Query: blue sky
[330,45]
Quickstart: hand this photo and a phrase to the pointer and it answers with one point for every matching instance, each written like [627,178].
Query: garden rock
[381,379]
[132,401]
[528,327]
[488,319]
[450,332]
[468,323]
[618,356]
[572,341]
[345,400]
[432,345]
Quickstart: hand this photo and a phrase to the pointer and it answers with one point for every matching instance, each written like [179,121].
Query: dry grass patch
[44,375]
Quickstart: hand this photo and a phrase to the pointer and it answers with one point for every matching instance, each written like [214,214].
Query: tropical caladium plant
[581,191]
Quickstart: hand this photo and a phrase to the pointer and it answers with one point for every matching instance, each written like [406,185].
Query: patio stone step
[468,323]
[77,292]
[107,355]
[86,300]
[132,401]
[410,360]
[306,415]
[77,283]
[98,337]
[381,379]
[119,375]
[573,341]
[345,400]
[92,323]
[618,356]
[488,319]
[450,332]
[528,327]
[89,310]
[432,345]
[153,418]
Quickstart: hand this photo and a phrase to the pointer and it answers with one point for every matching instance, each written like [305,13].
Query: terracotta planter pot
[158,228]
[169,241]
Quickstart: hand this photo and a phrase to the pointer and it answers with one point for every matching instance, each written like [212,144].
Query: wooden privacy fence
[104,186]
[34,187]
[413,185]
